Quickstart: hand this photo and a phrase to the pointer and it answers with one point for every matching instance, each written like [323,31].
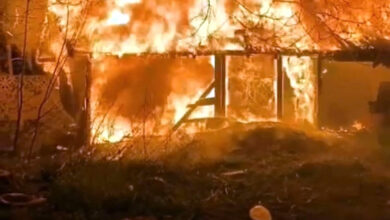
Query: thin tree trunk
[61,60]
[21,79]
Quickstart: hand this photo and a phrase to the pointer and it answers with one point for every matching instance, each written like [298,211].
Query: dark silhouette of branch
[60,62]
[21,79]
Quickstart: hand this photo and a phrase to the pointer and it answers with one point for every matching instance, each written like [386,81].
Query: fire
[122,3]
[118,18]
[251,88]
[192,25]
[180,104]
[155,26]
[358,126]
[114,131]
[118,27]
[300,72]
[145,96]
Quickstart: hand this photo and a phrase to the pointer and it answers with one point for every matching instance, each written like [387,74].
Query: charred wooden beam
[279,87]
[220,86]
[219,101]
[203,102]
[368,55]
[88,87]
[359,54]
[185,117]
[318,91]
[193,54]
[201,120]
[84,120]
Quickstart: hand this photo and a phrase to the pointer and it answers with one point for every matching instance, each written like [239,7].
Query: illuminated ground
[295,174]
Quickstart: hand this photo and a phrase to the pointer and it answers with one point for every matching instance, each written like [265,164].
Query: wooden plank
[88,87]
[192,109]
[84,121]
[318,91]
[203,102]
[279,87]
[355,54]
[201,120]
[220,85]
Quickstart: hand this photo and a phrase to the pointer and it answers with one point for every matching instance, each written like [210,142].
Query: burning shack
[132,67]
[122,109]
[162,65]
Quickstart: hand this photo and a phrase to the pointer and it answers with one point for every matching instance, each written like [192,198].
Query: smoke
[347,89]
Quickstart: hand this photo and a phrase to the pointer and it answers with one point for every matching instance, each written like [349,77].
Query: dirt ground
[217,175]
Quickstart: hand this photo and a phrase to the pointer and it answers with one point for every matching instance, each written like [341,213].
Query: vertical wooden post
[84,120]
[88,85]
[318,90]
[220,85]
[279,87]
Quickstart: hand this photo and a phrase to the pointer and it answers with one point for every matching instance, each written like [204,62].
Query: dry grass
[296,174]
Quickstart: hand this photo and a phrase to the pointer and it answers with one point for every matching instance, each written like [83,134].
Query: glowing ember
[114,131]
[358,126]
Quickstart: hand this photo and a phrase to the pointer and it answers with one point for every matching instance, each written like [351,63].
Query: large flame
[137,26]
[251,88]
[118,27]
[300,72]
[145,96]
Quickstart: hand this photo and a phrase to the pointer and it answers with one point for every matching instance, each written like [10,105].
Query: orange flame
[300,71]
[118,27]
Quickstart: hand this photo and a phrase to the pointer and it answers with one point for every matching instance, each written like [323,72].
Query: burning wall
[132,93]
[138,96]
[147,96]
[194,27]
[301,90]
[251,86]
